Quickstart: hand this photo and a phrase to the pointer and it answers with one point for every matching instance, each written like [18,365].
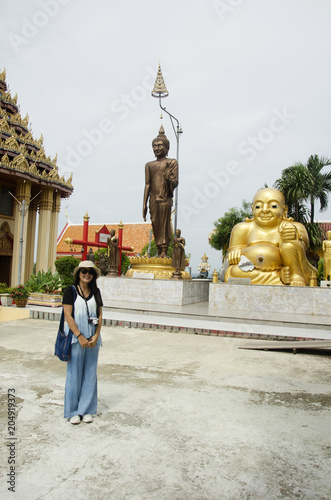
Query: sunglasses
[88,271]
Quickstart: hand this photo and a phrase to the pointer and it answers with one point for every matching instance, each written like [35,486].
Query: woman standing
[82,305]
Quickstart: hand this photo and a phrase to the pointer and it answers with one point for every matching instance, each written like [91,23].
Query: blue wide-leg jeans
[81,383]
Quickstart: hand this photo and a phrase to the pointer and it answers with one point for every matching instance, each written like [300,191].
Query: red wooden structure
[100,240]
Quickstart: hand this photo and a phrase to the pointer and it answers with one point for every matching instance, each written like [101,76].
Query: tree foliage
[125,263]
[221,235]
[320,183]
[320,270]
[295,184]
[65,267]
[306,183]
[302,183]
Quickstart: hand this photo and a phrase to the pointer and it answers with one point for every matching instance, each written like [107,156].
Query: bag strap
[74,293]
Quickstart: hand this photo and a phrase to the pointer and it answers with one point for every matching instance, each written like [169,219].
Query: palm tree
[320,184]
[295,184]
[299,183]
[306,182]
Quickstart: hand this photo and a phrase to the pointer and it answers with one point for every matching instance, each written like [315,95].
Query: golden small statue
[327,256]
[204,267]
[271,246]
[113,254]
[161,179]
[313,279]
[178,255]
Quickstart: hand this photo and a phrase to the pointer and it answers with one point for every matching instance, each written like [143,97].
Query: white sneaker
[87,419]
[75,420]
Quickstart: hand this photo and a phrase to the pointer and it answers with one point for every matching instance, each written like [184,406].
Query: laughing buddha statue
[271,246]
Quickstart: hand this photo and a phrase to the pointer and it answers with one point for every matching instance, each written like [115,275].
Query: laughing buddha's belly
[263,255]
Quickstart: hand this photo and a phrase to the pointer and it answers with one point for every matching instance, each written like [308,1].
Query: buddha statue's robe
[161,189]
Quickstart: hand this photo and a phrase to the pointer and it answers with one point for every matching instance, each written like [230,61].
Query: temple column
[22,192]
[44,229]
[30,242]
[54,227]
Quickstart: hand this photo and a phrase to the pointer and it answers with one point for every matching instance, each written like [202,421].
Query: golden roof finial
[159,90]
[3,75]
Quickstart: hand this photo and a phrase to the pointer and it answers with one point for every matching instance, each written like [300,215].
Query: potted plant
[5,297]
[44,289]
[20,294]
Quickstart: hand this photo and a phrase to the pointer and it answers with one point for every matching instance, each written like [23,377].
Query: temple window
[6,201]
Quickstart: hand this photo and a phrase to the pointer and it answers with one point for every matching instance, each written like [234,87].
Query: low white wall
[271,299]
[171,292]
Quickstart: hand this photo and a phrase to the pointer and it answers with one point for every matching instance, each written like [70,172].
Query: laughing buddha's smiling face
[268,208]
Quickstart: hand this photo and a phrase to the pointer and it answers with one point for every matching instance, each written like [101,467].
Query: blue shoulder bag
[63,341]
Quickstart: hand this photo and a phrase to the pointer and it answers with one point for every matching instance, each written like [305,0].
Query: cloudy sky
[249,81]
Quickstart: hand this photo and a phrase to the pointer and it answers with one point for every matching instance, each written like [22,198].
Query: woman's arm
[67,309]
[96,335]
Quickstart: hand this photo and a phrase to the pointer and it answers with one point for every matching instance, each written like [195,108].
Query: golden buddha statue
[327,256]
[271,246]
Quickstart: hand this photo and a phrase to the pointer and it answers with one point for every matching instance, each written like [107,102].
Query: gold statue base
[160,267]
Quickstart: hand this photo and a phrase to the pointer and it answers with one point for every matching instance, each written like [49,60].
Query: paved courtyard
[180,417]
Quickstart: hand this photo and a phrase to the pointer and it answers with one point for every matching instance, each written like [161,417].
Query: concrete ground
[180,417]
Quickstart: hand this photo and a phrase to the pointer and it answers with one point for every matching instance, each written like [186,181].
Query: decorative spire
[162,136]
[3,75]
[159,90]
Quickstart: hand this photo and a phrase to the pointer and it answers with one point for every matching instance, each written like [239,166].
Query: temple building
[29,182]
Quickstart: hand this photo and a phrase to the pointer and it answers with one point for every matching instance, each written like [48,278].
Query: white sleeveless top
[81,318]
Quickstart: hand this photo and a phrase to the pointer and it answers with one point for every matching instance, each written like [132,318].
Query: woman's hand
[83,341]
[93,340]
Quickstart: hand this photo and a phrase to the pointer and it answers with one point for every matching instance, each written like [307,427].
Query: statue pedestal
[152,291]
[266,301]
[159,267]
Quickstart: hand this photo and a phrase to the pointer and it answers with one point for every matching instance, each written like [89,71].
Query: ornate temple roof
[20,154]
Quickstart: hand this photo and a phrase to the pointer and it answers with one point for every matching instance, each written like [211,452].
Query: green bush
[3,288]
[320,271]
[44,282]
[65,267]
[125,263]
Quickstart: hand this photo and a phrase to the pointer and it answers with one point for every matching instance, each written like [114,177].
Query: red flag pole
[85,236]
